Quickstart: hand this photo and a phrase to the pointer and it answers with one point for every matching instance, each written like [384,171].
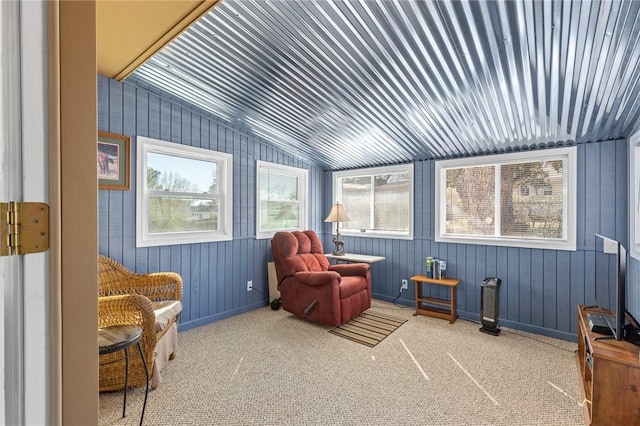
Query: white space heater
[489,298]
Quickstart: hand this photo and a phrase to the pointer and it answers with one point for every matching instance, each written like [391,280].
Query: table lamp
[337,214]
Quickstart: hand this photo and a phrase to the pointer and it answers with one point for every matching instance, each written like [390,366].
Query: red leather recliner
[311,288]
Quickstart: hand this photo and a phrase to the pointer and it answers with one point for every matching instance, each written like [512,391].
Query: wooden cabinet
[609,376]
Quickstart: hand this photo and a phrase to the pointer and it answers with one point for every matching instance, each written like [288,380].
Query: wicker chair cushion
[165,311]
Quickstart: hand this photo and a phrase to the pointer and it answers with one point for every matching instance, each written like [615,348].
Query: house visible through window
[281,199]
[521,199]
[183,194]
[379,201]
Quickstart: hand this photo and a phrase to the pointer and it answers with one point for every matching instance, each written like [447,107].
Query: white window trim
[337,196]
[303,191]
[634,196]
[225,233]
[568,242]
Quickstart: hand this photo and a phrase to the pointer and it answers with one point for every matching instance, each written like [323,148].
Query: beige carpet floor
[269,368]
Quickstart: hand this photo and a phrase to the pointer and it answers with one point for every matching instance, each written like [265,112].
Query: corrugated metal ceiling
[347,84]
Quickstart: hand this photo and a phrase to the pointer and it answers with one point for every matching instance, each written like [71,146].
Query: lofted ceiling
[346,84]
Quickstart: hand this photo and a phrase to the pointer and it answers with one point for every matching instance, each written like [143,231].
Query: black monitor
[610,287]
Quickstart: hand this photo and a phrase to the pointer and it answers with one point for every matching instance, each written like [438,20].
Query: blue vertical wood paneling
[128,197]
[429,202]
[185,272]
[502,266]
[419,195]
[540,287]
[513,283]
[236,284]
[196,282]
[214,274]
[250,206]
[116,106]
[221,289]
[164,258]
[103,104]
[204,279]
[592,184]
[550,289]
[564,310]
[578,267]
[524,286]
[103,221]
[154,114]
[175,126]
[469,278]
[142,115]
[607,196]
[186,136]
[465,288]
[115,223]
[244,186]
[537,287]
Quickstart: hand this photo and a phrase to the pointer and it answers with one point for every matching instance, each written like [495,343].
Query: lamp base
[339,246]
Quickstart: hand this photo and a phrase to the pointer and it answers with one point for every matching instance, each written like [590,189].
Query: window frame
[303,195]
[634,195]
[224,197]
[372,171]
[569,157]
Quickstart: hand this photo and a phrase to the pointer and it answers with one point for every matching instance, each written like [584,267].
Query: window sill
[567,245]
[377,234]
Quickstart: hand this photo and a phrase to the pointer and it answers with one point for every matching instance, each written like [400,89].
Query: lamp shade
[337,214]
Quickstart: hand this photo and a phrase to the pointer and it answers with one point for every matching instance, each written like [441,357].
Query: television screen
[610,276]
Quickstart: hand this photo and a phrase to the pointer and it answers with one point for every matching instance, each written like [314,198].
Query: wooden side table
[354,258]
[121,338]
[430,306]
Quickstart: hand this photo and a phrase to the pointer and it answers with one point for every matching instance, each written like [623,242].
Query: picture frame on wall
[113,161]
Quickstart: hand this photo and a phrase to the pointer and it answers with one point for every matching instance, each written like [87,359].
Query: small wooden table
[423,303]
[355,258]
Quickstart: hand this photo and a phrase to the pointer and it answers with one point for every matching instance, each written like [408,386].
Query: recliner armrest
[347,269]
[317,278]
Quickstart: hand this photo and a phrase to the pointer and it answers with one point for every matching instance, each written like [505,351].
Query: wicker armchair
[151,301]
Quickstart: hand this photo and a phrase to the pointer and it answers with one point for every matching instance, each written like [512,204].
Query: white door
[24,331]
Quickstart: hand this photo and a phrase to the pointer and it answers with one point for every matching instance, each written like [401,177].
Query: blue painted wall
[540,288]
[214,274]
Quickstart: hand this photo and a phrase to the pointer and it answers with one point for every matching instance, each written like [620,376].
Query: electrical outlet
[249,285]
[405,285]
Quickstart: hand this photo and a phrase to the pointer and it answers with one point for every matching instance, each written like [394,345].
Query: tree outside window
[515,198]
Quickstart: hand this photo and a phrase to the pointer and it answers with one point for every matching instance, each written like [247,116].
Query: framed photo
[113,161]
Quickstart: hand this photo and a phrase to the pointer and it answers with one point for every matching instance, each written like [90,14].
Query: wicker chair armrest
[163,286]
[155,286]
[128,309]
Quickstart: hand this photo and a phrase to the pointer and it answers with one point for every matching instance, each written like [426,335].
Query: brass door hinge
[24,228]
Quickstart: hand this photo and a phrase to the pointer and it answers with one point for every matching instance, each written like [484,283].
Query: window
[525,199]
[184,194]
[281,199]
[379,201]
